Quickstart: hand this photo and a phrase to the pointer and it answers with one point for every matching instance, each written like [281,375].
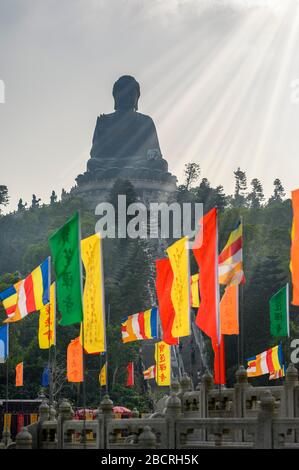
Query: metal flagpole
[7,370]
[83,343]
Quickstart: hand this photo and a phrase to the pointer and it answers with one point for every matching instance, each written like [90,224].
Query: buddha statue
[125,143]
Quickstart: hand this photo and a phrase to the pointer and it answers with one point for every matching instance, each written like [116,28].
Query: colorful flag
[163,364]
[130,378]
[47,320]
[142,325]
[33,292]
[277,374]
[266,362]
[231,258]
[178,254]
[149,373]
[195,300]
[229,310]
[103,375]
[65,248]
[75,361]
[279,313]
[219,362]
[206,254]
[93,297]
[46,377]
[294,264]
[19,374]
[164,282]
[9,298]
[4,343]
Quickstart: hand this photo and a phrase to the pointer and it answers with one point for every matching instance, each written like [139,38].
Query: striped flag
[9,298]
[231,258]
[33,292]
[140,326]
[267,362]
[149,373]
[277,374]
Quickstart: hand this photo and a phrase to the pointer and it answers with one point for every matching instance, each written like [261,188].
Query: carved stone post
[105,415]
[289,391]
[173,411]
[65,413]
[24,439]
[147,439]
[206,385]
[264,425]
[241,385]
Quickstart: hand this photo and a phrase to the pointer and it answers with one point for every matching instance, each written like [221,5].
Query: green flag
[65,248]
[279,313]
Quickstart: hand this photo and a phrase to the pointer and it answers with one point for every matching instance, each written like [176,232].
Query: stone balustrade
[241,417]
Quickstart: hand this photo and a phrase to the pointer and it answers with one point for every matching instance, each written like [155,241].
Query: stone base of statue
[150,184]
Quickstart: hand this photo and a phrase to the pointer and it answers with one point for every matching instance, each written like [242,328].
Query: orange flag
[229,311]
[75,361]
[19,374]
[294,264]
[206,254]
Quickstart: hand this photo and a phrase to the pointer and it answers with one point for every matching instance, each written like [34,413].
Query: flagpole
[49,335]
[82,326]
[7,371]
[241,310]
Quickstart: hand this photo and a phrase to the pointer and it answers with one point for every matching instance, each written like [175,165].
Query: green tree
[256,196]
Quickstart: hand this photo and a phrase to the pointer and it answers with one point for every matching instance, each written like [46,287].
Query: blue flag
[4,338]
[46,377]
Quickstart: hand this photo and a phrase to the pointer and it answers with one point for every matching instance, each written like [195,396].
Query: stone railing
[240,417]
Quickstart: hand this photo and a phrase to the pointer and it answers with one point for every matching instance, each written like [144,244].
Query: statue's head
[126,93]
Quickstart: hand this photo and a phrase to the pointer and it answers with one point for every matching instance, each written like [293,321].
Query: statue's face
[126,93]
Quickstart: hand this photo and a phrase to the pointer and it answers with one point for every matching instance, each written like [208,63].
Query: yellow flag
[163,364]
[195,300]
[93,297]
[46,331]
[103,375]
[180,291]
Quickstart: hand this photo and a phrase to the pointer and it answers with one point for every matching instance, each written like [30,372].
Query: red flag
[164,282]
[206,255]
[294,264]
[130,379]
[219,362]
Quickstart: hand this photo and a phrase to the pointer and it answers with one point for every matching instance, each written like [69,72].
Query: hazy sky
[215,76]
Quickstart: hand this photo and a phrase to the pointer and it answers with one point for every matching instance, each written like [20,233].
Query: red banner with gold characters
[163,364]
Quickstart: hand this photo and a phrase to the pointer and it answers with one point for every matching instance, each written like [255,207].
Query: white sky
[215,76]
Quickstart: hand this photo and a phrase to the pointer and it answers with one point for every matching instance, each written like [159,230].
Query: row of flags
[176,290]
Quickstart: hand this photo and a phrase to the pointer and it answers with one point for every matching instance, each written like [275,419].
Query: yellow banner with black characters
[46,330]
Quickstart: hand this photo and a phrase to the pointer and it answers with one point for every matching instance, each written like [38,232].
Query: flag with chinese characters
[65,248]
[47,318]
[178,254]
[103,375]
[75,361]
[93,296]
[279,313]
[19,374]
[163,364]
[195,300]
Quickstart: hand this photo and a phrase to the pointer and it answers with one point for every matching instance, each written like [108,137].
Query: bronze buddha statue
[125,139]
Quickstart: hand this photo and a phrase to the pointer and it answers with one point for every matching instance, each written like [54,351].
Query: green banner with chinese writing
[65,249]
[279,313]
